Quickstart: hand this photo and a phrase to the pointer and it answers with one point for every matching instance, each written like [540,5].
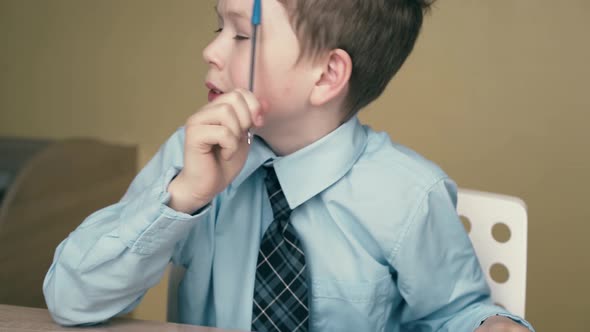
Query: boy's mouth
[214,92]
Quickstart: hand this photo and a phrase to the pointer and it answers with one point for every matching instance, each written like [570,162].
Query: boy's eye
[237,37]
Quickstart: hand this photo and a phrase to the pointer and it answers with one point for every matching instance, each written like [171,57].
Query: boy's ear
[334,71]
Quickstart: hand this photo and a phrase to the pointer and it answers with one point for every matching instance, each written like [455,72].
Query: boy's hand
[501,324]
[215,149]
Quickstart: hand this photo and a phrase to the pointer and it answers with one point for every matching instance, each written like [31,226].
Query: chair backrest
[497,226]
[53,191]
[175,275]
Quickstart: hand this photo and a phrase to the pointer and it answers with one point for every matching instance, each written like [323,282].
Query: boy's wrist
[181,198]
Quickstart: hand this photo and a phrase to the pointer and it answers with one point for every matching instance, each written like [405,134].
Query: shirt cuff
[515,318]
[149,224]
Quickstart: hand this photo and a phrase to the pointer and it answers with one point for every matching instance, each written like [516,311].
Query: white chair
[497,226]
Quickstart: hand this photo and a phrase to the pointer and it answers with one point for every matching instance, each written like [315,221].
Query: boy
[320,224]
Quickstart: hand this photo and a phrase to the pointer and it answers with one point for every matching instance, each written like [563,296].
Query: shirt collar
[309,171]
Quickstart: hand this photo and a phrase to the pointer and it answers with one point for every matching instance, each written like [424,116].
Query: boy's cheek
[240,74]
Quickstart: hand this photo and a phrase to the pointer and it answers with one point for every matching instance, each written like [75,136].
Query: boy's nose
[211,56]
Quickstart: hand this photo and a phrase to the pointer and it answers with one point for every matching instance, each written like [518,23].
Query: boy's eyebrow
[233,13]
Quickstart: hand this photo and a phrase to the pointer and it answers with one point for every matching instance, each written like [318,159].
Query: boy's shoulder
[385,188]
[386,163]
[389,180]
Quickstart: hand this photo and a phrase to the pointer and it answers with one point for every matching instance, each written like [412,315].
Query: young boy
[320,224]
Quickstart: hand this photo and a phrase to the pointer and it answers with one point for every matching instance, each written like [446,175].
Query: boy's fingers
[208,136]
[254,105]
[220,114]
[241,107]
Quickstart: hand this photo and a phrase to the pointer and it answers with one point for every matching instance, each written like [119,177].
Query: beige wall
[496,93]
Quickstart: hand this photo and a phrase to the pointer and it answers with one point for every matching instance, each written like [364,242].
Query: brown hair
[377,34]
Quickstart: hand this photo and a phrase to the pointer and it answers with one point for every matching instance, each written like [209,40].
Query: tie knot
[278,202]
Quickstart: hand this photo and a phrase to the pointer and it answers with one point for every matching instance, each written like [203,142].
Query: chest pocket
[351,305]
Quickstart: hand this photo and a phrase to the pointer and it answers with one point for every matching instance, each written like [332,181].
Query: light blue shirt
[384,246]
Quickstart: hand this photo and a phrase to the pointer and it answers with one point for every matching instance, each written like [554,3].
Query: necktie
[280,289]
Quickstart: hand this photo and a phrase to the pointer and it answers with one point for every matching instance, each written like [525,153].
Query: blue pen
[256,15]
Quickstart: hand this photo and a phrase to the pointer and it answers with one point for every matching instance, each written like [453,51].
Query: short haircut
[378,35]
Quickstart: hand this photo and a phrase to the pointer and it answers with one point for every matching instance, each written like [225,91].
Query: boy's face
[281,82]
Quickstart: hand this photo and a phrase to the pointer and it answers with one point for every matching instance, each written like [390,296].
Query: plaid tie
[280,290]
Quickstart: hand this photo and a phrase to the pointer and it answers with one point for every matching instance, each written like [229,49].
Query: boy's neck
[286,137]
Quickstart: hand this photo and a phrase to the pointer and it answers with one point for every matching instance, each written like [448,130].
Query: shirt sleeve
[439,275]
[105,266]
